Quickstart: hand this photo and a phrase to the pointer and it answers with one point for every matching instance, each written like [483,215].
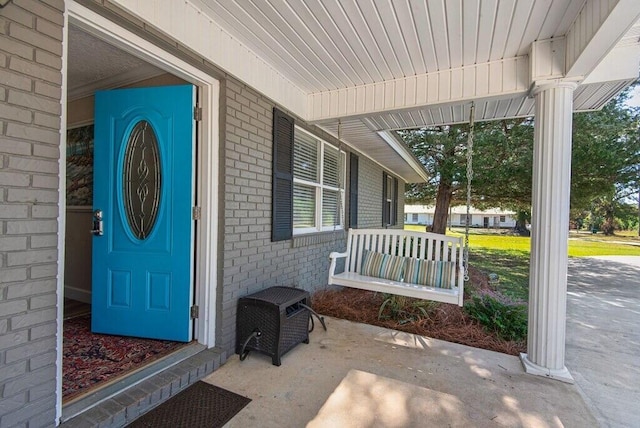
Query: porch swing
[422,265]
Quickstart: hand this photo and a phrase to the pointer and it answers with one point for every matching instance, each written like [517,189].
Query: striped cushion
[429,272]
[382,265]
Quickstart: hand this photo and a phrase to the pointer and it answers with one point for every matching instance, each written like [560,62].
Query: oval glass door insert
[142,179]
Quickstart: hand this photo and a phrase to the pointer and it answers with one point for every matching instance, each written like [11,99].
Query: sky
[634,101]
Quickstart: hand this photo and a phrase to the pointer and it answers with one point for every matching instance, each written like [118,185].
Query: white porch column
[549,231]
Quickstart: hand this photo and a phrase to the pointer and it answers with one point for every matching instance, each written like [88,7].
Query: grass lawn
[621,235]
[508,255]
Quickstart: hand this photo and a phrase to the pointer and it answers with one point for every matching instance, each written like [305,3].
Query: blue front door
[143,199]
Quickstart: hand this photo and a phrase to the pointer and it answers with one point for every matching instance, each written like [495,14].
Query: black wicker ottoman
[272,322]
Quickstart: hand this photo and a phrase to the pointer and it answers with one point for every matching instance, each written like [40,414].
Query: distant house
[489,218]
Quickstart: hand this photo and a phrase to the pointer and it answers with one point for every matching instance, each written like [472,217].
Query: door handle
[97,229]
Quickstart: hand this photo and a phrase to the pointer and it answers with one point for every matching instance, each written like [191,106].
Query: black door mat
[200,405]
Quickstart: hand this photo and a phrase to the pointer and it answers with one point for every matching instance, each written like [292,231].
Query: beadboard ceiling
[324,45]
[364,63]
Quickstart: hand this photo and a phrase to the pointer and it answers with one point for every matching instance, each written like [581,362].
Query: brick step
[144,394]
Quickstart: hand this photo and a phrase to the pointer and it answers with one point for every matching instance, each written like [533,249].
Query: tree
[605,163]
[627,216]
[503,175]
[608,215]
[442,151]
[501,165]
[606,160]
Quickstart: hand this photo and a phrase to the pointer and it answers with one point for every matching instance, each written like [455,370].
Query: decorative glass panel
[305,157]
[142,179]
[304,206]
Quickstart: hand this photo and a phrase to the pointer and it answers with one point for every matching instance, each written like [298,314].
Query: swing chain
[339,217]
[469,179]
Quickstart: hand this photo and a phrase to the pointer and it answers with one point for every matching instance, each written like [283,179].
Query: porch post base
[562,375]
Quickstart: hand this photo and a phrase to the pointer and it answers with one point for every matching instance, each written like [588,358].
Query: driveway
[603,336]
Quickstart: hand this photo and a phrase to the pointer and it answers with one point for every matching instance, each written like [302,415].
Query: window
[318,184]
[463,219]
[389,200]
[414,218]
[503,219]
[308,181]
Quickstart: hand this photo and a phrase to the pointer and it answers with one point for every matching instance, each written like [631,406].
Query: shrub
[499,313]
[405,309]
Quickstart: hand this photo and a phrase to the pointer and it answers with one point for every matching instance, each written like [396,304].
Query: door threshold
[103,393]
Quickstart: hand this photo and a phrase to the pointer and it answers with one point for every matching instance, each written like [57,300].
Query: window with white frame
[389,200]
[318,184]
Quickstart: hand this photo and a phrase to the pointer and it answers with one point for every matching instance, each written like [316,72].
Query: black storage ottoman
[272,322]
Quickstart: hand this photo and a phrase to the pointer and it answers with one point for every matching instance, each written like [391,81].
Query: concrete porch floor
[384,378]
[358,375]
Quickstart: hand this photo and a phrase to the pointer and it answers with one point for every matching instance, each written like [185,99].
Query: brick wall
[370,196]
[251,261]
[400,224]
[30,62]
[30,91]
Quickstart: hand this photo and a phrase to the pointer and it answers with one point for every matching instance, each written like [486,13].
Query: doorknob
[97,223]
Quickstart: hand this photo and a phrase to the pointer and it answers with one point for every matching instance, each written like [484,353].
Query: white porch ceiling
[326,45]
[334,50]
[379,65]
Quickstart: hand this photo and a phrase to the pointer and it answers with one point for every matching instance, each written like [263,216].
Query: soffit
[323,46]
[307,48]
[358,134]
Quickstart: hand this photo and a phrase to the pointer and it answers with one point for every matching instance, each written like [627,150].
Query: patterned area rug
[90,360]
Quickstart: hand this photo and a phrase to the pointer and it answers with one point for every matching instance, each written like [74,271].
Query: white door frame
[206,237]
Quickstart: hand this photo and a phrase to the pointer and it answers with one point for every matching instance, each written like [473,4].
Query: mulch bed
[446,322]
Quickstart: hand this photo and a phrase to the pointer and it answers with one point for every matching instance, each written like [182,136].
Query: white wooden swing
[422,265]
